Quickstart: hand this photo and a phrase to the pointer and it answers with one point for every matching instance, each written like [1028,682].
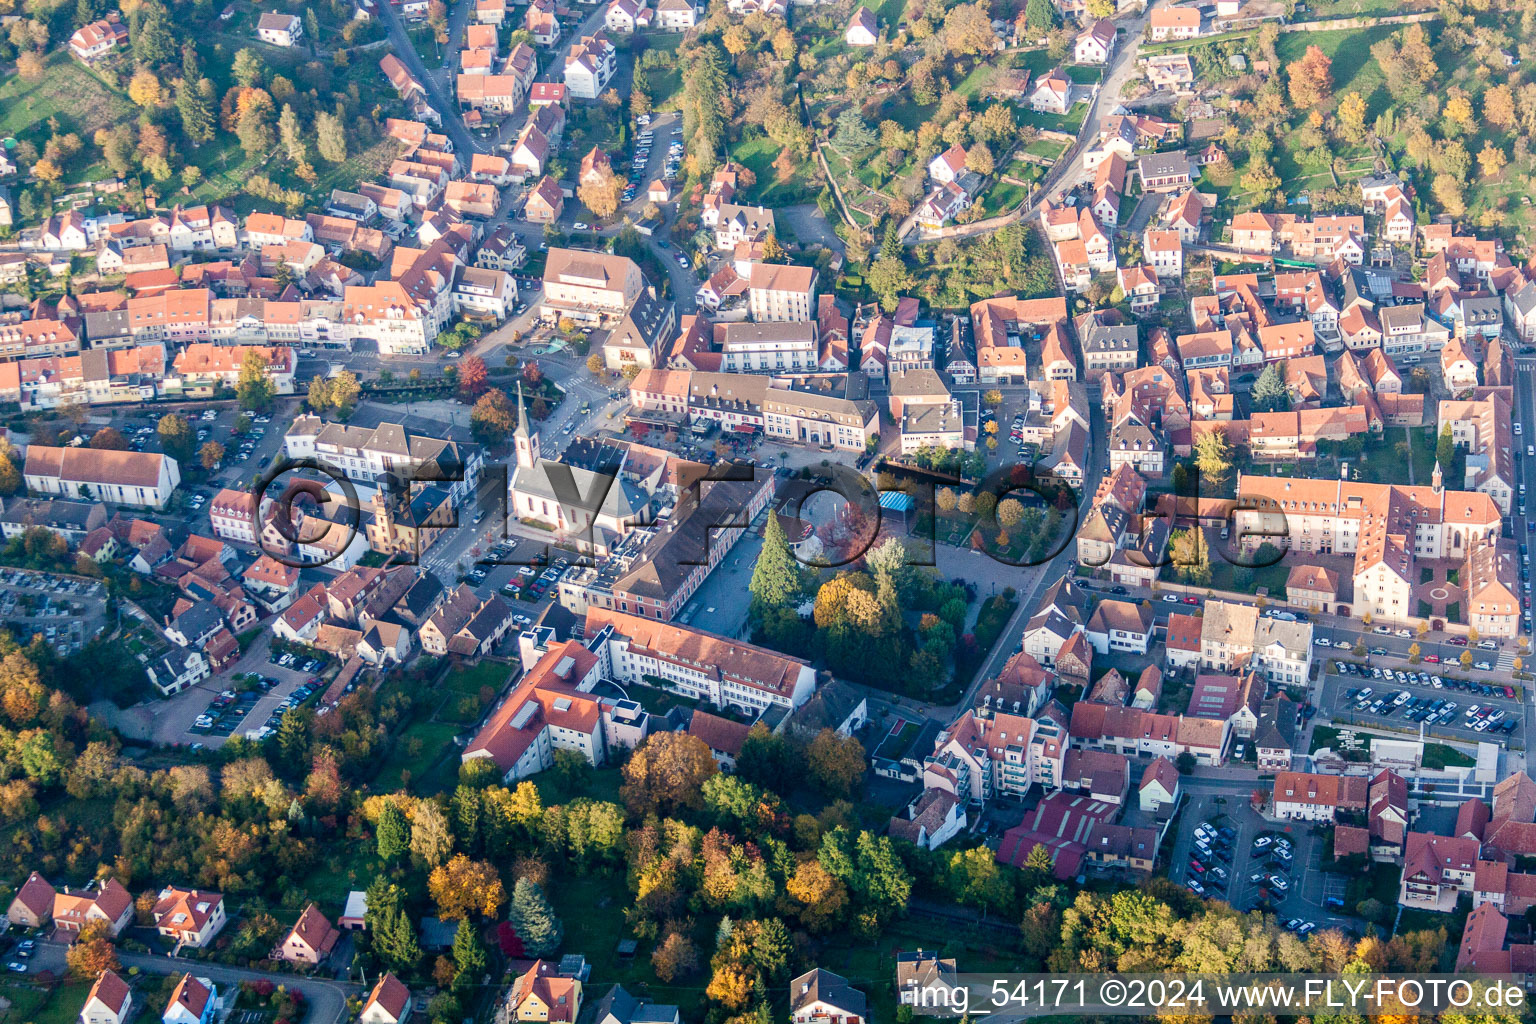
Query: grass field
[759,155]
[1354,69]
[414,753]
[66,90]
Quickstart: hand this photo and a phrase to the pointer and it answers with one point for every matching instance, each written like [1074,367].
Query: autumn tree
[817,897]
[836,764]
[473,377]
[431,839]
[1491,159]
[666,773]
[676,957]
[177,437]
[1213,458]
[601,194]
[144,88]
[493,419]
[330,137]
[210,455]
[92,952]
[109,439]
[463,888]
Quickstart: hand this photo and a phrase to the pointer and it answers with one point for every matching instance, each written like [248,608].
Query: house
[98,38]
[191,917]
[676,15]
[1096,43]
[32,906]
[1170,22]
[544,994]
[923,978]
[1140,285]
[390,1002]
[1052,93]
[948,165]
[194,1001]
[1301,796]
[931,820]
[109,902]
[311,940]
[280,29]
[1165,172]
[108,1002]
[1274,740]
[1120,626]
[723,737]
[545,203]
[589,66]
[821,997]
[1159,790]
[624,16]
[863,28]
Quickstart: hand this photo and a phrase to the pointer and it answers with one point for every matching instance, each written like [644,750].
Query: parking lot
[231,710]
[65,611]
[1401,695]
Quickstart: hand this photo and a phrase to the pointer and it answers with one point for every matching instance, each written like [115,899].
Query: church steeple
[1437,479]
[525,439]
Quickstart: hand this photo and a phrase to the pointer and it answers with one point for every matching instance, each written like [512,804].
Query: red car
[1432,659]
[1457,641]
[1191,600]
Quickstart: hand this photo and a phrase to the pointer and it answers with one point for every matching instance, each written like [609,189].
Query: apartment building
[781,292]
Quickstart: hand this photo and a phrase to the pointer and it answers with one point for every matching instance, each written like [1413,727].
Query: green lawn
[1354,69]
[66,90]
[758,155]
[62,1006]
[409,760]
[1002,197]
[468,681]
[1438,755]
[25,1002]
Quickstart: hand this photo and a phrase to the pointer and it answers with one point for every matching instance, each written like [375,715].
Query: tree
[979,159]
[601,194]
[469,959]
[394,938]
[1191,556]
[667,772]
[1269,392]
[194,102]
[1458,111]
[255,124]
[253,386]
[144,88]
[210,455]
[430,837]
[1311,78]
[1010,513]
[676,957]
[1261,181]
[1413,653]
[1040,16]
[1448,193]
[1466,660]
[836,764]
[10,477]
[109,439]
[392,835]
[968,30]
[776,576]
[1445,449]
[177,437]
[464,887]
[473,377]
[493,419]
[92,952]
[154,43]
[330,137]
[29,65]
[534,919]
[289,131]
[1213,458]
[344,393]
[319,397]
[888,278]
[1352,116]
[854,135]
[1491,159]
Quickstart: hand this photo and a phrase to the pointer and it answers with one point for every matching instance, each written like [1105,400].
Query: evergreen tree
[776,577]
[704,102]
[153,43]
[534,919]
[1445,449]
[1269,392]
[468,955]
[191,69]
[393,833]
[394,940]
[195,104]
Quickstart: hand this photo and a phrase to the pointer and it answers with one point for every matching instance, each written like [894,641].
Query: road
[327,999]
[453,125]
